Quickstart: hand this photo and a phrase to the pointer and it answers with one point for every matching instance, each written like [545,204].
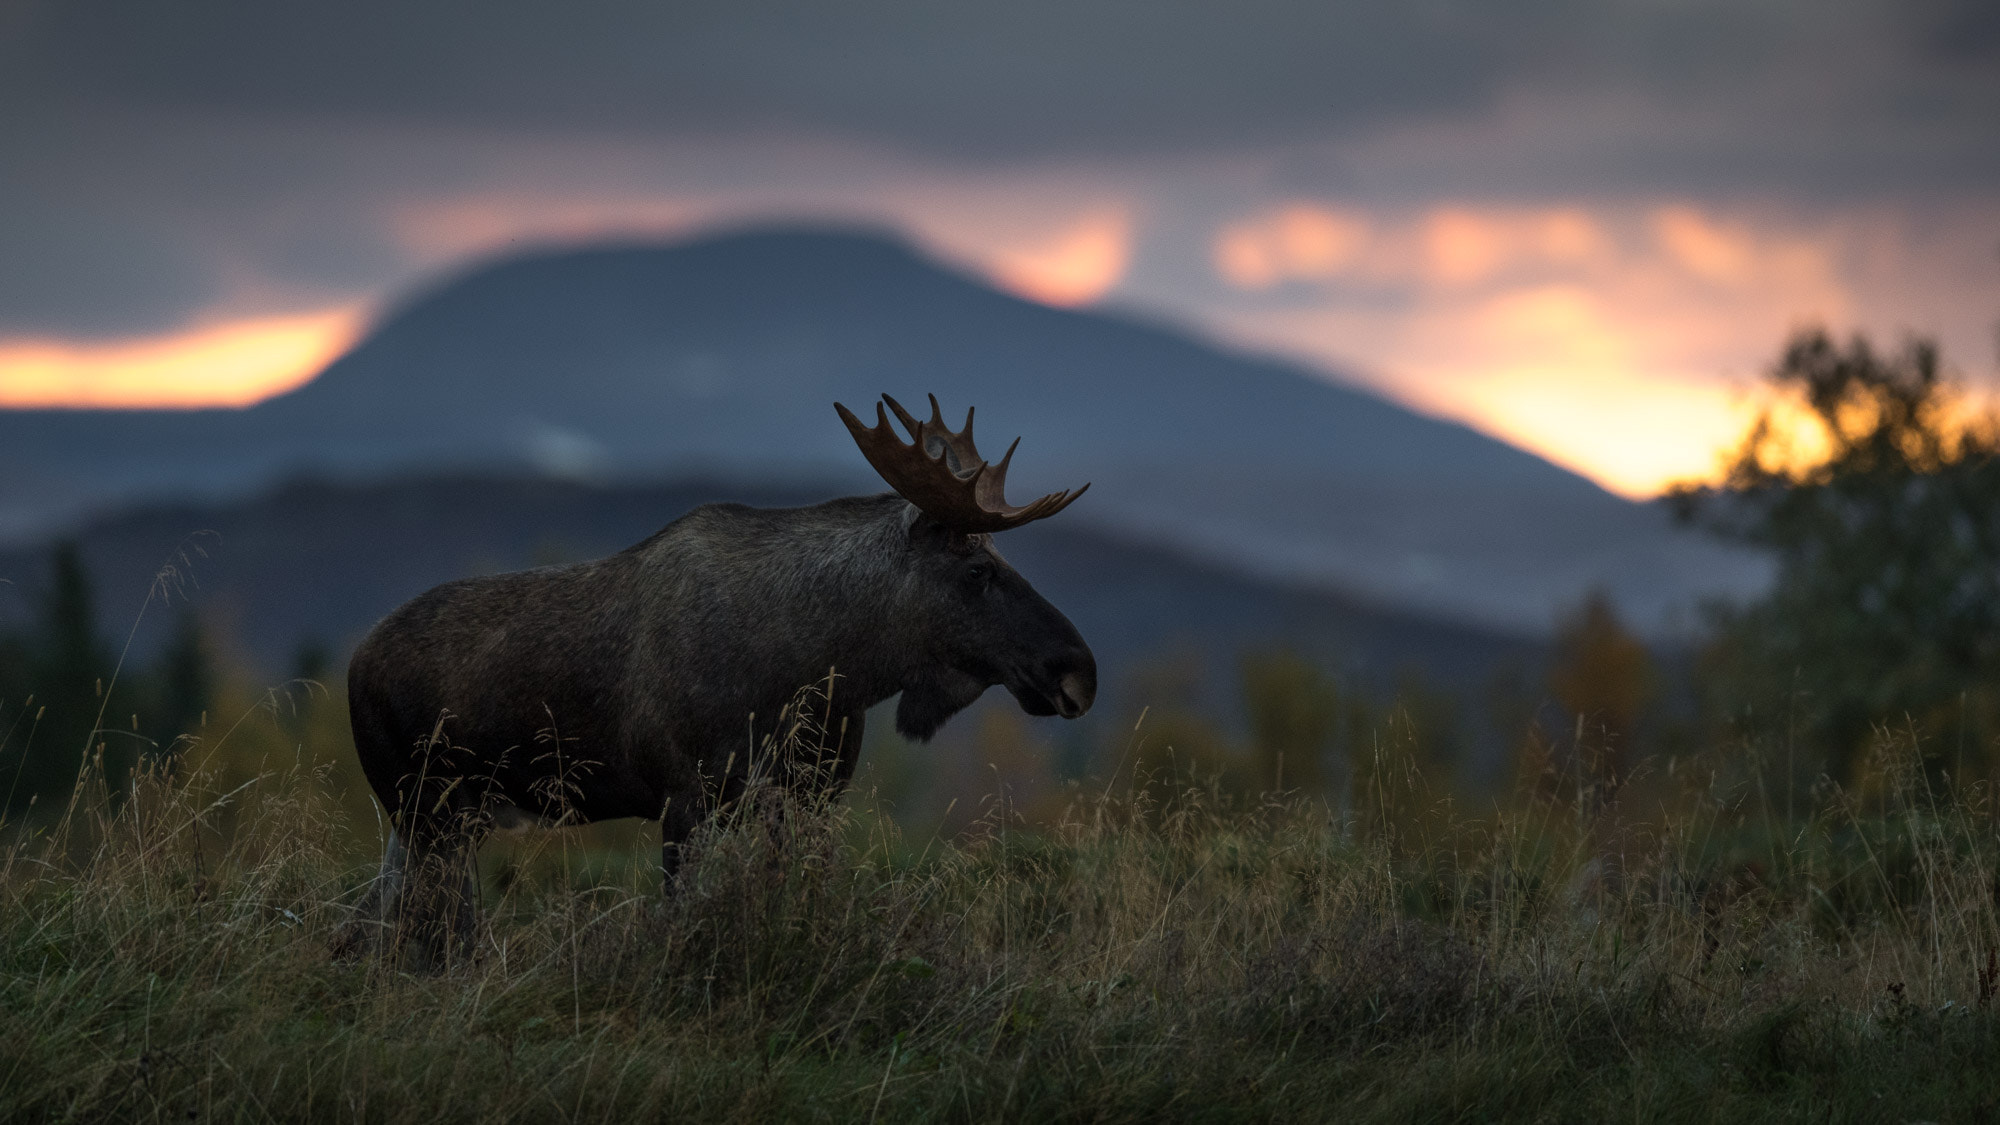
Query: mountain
[723,356]
[320,562]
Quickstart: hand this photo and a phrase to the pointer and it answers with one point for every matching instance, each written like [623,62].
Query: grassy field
[1168,951]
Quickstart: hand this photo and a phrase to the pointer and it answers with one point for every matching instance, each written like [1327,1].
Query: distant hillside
[723,356]
[322,562]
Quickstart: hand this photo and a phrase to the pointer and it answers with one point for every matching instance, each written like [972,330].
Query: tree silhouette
[183,685]
[1886,607]
[67,671]
[1604,677]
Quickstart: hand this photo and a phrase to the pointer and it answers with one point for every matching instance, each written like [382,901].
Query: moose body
[643,684]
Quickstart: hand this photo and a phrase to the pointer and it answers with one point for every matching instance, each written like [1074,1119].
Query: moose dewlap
[635,685]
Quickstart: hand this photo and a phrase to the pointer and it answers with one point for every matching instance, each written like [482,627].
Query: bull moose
[635,685]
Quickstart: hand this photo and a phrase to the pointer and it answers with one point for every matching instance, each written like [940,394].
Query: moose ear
[917,524]
[925,531]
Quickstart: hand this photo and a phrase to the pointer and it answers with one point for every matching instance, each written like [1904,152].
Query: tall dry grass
[1161,949]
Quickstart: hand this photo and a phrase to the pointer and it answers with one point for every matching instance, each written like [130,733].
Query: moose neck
[839,581]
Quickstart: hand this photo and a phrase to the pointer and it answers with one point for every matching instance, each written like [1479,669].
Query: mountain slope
[723,355]
[322,562]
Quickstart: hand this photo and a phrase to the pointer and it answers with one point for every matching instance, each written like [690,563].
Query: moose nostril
[1075,696]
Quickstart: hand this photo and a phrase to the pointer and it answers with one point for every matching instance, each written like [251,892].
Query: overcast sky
[1568,222]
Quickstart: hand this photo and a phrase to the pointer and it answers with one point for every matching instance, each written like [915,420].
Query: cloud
[1296,242]
[80,270]
[1623,340]
[203,150]
[1788,89]
[283,268]
[966,78]
[1075,266]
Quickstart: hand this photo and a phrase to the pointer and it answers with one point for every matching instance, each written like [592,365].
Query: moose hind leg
[436,916]
[367,930]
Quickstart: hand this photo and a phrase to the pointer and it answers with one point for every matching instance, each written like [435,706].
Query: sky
[1584,227]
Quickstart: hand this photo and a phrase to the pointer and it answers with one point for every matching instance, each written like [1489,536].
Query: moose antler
[942,474]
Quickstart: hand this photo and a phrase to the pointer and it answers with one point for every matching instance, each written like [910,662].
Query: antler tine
[909,420]
[1057,501]
[1070,498]
[953,485]
[852,423]
[1052,503]
[937,419]
[993,486]
[957,448]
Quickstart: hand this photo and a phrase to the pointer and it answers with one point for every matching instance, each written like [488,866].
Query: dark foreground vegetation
[1681,955]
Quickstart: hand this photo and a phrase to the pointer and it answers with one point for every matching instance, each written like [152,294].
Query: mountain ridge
[723,354]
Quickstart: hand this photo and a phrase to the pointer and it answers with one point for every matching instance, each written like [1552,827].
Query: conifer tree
[184,685]
[68,672]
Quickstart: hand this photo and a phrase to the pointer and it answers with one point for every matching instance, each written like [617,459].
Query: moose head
[982,623]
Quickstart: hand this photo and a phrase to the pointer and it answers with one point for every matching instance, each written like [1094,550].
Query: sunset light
[1626,343]
[1622,340]
[1077,266]
[230,363]
[458,228]
[1635,434]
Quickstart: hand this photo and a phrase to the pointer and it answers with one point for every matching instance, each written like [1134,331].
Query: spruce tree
[184,686]
[68,672]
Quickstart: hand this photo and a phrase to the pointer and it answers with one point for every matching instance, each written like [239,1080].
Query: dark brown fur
[641,684]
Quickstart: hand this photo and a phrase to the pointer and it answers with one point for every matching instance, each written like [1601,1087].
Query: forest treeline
[62,701]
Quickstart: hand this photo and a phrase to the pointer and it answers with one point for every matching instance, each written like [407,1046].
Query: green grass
[163,956]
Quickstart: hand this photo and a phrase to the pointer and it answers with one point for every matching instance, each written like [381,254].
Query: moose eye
[977,576]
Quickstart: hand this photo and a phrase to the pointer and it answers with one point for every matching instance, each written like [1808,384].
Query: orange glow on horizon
[1622,339]
[474,226]
[1689,426]
[1076,267]
[1622,342]
[231,363]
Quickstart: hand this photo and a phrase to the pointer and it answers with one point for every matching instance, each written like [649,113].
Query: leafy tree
[1296,713]
[1886,607]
